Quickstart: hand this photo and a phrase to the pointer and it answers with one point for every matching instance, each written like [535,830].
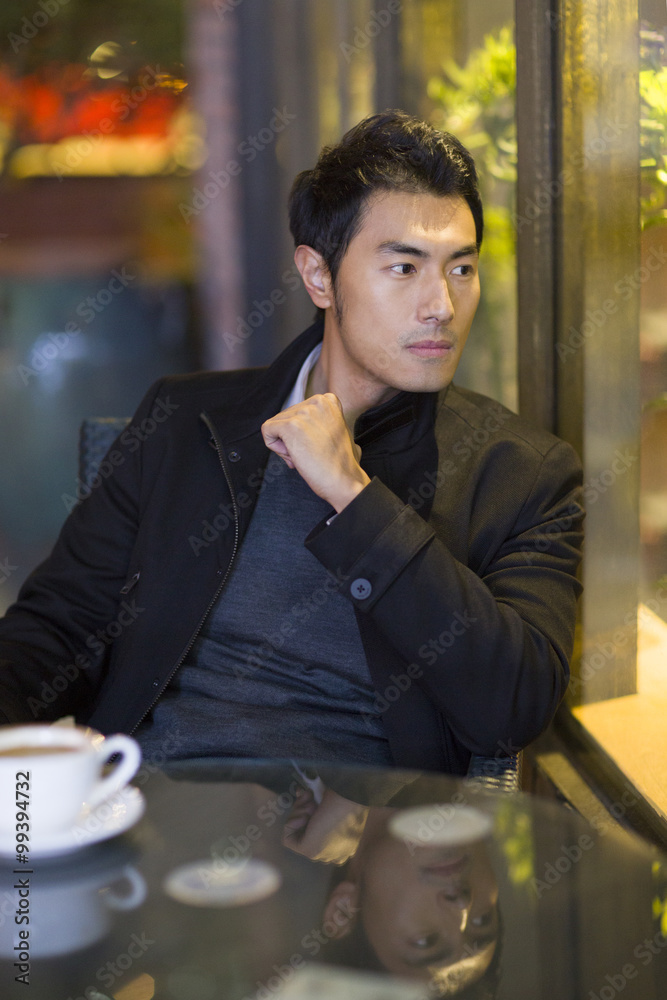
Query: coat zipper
[218,448]
[131,583]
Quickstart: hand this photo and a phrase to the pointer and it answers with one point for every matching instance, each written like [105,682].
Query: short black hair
[355,951]
[387,151]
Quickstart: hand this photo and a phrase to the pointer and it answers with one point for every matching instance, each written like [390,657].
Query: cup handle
[136,895]
[123,771]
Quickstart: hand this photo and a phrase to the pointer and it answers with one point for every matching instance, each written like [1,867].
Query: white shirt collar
[298,393]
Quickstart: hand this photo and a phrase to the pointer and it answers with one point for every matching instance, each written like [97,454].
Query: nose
[436,305]
[459,897]
[457,902]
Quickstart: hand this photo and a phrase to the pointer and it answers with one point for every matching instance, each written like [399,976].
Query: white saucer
[441,825]
[222,883]
[109,819]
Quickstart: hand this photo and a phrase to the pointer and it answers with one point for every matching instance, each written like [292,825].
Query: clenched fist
[313,438]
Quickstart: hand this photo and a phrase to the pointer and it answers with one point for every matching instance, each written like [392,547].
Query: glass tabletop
[290,880]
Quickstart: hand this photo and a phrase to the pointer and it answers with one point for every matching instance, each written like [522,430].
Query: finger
[334,398]
[296,823]
[278,446]
[270,432]
[286,459]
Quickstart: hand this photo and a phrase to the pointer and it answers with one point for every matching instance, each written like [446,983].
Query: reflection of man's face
[430,908]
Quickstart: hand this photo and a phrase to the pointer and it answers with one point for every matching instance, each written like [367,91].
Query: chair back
[96,436]
[502,774]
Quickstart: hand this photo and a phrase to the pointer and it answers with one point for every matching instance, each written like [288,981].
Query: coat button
[361,589]
[234,456]
[156,682]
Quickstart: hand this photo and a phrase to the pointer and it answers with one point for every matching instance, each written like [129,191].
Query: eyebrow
[396,247]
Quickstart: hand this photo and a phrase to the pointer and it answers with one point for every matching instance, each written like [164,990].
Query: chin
[434,384]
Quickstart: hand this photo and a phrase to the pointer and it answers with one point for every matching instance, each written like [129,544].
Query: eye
[465,270]
[426,941]
[403,268]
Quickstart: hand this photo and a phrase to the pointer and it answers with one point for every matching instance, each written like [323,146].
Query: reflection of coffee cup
[48,773]
[67,914]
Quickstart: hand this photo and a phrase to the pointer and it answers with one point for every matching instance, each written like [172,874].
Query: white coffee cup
[68,913]
[51,773]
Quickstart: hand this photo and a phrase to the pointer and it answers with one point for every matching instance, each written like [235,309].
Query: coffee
[33,751]
[55,772]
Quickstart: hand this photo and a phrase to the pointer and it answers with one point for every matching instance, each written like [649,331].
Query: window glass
[652,281]
[462,56]
[97,144]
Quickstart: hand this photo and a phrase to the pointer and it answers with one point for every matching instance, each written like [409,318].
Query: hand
[329,832]
[313,438]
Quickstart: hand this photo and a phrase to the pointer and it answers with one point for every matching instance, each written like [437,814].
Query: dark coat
[459,557]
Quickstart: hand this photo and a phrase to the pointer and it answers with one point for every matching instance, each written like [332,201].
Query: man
[342,556]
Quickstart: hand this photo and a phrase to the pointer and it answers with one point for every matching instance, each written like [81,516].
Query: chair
[501,774]
[96,437]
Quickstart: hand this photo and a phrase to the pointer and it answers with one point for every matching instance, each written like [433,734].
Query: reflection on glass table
[251,880]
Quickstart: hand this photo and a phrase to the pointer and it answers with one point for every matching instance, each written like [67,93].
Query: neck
[335,372]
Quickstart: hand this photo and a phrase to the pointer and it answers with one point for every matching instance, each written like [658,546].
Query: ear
[342,909]
[315,275]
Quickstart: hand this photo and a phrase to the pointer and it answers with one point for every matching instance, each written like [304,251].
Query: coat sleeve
[55,639]
[490,650]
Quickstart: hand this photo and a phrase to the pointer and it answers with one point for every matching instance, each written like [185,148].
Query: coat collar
[397,424]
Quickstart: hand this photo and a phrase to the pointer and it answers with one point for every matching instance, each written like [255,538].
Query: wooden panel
[537,197]
[597,322]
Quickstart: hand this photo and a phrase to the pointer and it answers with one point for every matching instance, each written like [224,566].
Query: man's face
[405,296]
[431,909]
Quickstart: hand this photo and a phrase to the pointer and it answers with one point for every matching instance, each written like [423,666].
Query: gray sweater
[278,669]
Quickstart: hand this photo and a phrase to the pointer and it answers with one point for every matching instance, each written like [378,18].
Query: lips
[431,348]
